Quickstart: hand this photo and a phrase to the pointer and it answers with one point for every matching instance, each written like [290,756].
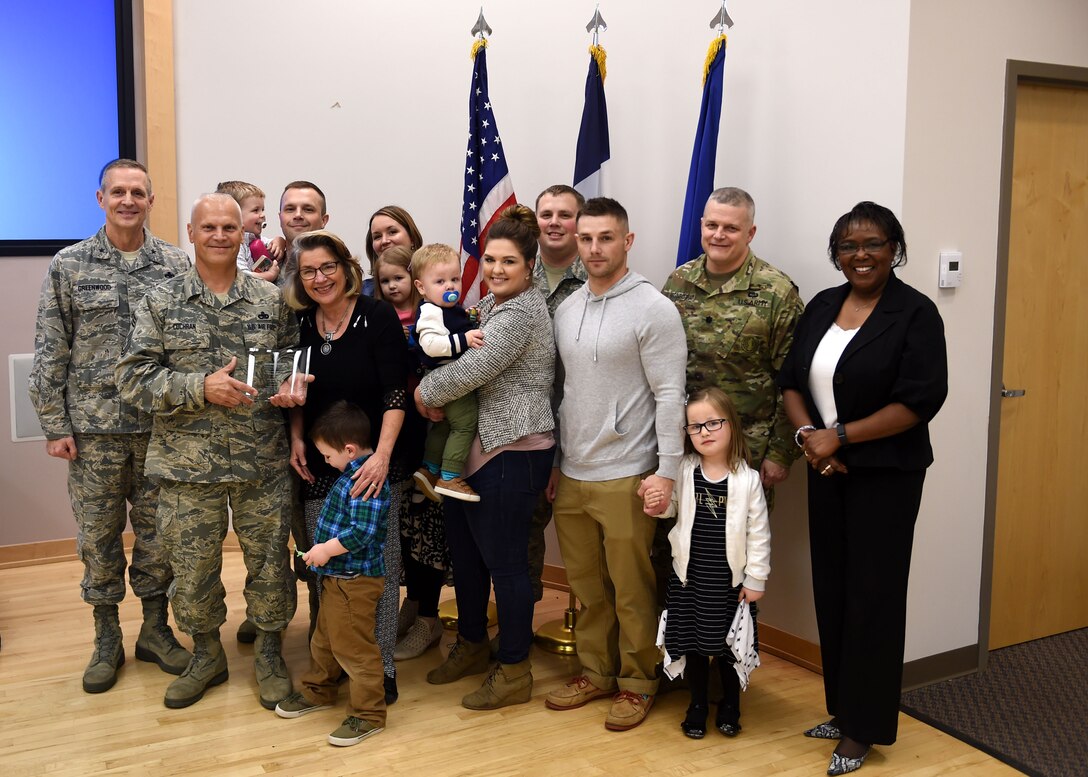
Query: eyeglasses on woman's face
[850,248]
[711,425]
[328,269]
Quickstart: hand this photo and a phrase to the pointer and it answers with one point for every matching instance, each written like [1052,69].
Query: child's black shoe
[694,725]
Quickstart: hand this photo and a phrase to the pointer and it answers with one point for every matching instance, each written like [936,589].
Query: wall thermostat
[951,269]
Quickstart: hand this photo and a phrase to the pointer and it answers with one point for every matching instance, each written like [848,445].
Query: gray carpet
[1028,709]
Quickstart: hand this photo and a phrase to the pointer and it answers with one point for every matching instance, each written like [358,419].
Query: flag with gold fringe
[592,152]
[488,188]
[703,155]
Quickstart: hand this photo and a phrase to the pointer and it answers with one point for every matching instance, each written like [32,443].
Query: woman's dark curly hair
[869,213]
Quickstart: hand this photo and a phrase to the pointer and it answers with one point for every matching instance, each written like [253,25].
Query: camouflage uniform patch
[738,335]
[207,455]
[572,280]
[183,333]
[84,319]
[108,471]
[193,523]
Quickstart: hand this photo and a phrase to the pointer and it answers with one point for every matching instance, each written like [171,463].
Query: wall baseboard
[776,642]
[555,577]
[52,551]
[943,666]
[790,647]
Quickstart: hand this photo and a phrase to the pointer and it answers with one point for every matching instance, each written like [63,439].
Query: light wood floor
[48,725]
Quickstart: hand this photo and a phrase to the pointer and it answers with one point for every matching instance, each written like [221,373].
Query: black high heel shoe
[826,730]
[694,725]
[844,764]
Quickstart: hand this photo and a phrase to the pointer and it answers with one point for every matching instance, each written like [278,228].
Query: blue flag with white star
[593,152]
[703,158]
[488,188]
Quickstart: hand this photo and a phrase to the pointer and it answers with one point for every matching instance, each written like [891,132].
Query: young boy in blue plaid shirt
[347,556]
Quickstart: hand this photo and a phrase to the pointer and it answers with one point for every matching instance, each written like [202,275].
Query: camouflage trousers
[107,473]
[193,520]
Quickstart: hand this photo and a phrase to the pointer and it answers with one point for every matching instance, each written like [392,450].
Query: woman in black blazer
[866,373]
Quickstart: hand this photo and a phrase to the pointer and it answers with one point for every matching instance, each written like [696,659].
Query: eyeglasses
[711,425]
[870,246]
[329,269]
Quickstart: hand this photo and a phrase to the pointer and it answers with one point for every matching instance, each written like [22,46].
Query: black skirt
[701,612]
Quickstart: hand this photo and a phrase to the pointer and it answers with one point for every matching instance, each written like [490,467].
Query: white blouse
[822,371]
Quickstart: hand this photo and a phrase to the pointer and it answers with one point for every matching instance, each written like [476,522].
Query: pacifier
[450,297]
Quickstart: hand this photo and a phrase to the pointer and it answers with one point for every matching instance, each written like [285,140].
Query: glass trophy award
[270,371]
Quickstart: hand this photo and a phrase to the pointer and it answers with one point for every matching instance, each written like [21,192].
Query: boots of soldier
[315,604]
[506,684]
[109,651]
[247,632]
[272,678]
[156,642]
[208,667]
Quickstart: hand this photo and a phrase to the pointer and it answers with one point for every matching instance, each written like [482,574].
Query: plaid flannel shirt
[360,526]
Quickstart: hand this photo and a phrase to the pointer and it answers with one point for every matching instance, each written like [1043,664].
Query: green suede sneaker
[296,705]
[353,731]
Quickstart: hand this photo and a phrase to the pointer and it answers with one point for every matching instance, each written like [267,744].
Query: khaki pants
[605,539]
[344,641]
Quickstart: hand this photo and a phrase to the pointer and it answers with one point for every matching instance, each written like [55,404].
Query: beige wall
[955,114]
[35,505]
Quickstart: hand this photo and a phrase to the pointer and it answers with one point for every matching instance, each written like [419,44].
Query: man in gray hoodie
[622,346]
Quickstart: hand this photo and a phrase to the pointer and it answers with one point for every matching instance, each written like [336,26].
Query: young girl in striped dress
[720,561]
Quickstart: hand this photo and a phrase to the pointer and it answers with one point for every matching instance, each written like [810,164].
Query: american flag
[488,188]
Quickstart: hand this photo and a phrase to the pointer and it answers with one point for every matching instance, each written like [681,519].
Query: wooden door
[1040,572]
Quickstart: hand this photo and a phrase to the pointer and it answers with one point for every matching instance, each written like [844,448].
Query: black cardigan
[898,355]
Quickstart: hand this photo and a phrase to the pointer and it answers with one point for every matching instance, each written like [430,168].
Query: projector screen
[66,109]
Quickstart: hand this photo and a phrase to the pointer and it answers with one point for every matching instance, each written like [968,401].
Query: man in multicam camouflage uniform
[558,273]
[83,321]
[739,314]
[216,441]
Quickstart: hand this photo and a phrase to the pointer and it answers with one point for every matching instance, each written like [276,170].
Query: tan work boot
[464,658]
[247,632]
[505,685]
[109,651]
[156,642]
[208,668]
[272,679]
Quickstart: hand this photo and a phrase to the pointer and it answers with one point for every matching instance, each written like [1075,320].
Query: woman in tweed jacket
[508,466]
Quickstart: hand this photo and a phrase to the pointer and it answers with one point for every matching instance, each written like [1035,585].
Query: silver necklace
[326,347]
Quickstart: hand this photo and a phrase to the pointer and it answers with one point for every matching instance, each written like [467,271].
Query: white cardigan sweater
[747,528]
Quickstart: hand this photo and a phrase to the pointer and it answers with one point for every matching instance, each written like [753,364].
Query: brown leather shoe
[628,710]
[456,489]
[576,693]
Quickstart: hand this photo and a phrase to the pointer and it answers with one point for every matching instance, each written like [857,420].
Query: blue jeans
[489,543]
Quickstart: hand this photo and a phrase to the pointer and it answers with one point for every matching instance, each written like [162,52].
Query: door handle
[1012,393]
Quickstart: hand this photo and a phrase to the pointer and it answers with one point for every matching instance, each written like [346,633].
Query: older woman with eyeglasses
[866,373]
[357,353]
